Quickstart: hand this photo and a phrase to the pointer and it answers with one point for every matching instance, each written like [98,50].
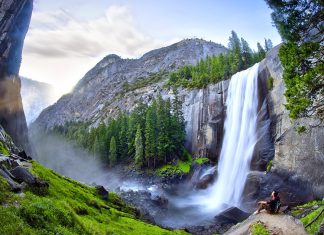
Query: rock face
[14,21]
[298,163]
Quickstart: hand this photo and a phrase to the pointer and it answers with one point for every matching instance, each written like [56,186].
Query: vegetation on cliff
[311,215]
[217,68]
[300,24]
[149,136]
[67,207]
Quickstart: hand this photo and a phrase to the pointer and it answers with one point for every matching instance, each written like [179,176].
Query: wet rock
[161,200]
[23,155]
[231,215]
[205,181]
[102,192]
[21,174]
[15,187]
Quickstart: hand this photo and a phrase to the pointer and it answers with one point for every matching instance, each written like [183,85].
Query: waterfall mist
[65,157]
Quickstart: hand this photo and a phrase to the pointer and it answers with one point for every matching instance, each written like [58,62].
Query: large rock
[231,215]
[277,224]
[14,21]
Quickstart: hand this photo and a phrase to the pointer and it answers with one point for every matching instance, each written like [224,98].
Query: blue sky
[67,38]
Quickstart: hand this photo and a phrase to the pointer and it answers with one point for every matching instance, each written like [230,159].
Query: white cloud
[60,49]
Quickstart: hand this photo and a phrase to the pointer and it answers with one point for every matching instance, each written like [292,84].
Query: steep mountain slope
[36,96]
[109,86]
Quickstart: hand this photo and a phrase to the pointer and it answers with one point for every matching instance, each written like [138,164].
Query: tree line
[149,136]
[217,68]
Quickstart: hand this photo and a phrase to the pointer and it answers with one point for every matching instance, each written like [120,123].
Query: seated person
[272,206]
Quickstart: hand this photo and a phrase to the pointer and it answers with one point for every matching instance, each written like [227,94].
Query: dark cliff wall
[14,21]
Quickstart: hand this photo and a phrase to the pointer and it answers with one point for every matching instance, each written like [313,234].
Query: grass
[269,165]
[300,129]
[270,83]
[259,229]
[201,160]
[180,168]
[68,207]
[307,212]
[3,149]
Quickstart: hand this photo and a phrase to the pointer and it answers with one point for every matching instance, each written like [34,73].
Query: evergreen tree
[261,52]
[267,44]
[246,54]
[236,52]
[151,135]
[112,152]
[123,146]
[178,125]
[96,146]
[139,149]
[300,24]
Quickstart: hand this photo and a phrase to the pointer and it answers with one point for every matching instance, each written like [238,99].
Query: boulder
[21,174]
[205,181]
[15,187]
[23,155]
[231,215]
[161,200]
[102,192]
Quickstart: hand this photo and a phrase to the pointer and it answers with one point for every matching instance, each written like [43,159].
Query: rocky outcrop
[275,224]
[14,168]
[14,21]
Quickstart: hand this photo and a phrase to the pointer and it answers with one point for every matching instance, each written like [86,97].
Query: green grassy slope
[67,207]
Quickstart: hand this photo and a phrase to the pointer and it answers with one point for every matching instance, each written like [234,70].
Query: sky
[67,38]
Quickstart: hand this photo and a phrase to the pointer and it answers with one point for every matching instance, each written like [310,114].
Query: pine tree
[267,44]
[235,47]
[151,135]
[139,149]
[178,125]
[261,52]
[96,146]
[123,137]
[112,152]
[246,54]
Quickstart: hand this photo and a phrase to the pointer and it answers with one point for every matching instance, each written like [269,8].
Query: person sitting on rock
[272,206]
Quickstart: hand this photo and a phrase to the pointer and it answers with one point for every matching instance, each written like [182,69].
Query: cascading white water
[240,137]
[239,140]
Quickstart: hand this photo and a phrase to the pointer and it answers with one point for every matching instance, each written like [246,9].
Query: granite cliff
[14,21]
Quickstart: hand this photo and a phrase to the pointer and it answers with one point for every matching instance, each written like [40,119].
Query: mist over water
[66,158]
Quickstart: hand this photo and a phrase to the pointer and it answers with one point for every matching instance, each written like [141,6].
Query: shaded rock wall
[204,113]
[298,158]
[14,21]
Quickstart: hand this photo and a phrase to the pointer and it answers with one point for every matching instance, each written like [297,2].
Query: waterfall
[240,137]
